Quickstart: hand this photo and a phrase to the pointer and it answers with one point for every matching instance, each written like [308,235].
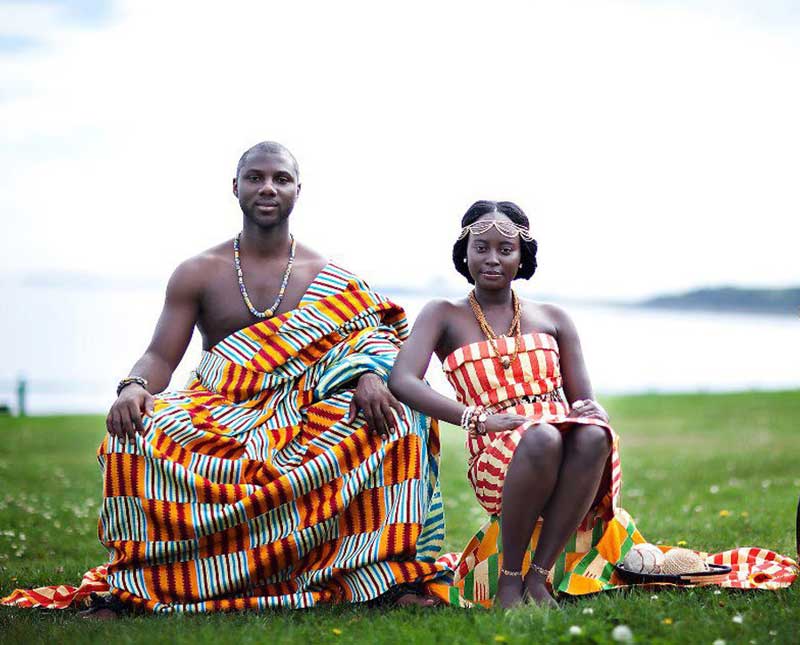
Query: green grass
[685,458]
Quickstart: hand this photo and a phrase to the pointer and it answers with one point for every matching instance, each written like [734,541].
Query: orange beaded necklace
[490,334]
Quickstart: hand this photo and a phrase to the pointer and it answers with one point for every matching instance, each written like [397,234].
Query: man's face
[267,188]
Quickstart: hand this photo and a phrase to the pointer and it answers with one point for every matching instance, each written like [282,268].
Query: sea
[69,346]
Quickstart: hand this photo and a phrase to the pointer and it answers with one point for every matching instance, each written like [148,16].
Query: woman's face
[492,258]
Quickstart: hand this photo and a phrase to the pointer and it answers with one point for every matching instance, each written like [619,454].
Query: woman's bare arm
[577,385]
[406,381]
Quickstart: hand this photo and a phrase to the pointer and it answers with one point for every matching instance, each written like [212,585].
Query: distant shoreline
[725,299]
[780,302]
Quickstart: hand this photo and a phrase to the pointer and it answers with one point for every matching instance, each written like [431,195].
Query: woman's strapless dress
[531,386]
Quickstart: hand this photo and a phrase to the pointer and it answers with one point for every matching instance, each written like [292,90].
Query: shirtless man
[204,291]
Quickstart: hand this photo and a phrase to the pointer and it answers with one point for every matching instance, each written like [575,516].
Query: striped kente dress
[249,490]
[531,386]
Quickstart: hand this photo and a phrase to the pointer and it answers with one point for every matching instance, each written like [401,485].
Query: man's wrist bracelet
[131,379]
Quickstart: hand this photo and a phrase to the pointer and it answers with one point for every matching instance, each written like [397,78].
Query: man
[203,291]
[285,474]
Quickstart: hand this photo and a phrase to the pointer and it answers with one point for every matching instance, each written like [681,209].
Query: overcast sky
[655,145]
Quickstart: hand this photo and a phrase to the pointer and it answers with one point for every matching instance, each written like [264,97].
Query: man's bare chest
[223,310]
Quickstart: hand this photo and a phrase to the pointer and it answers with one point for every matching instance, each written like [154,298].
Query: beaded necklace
[490,334]
[267,313]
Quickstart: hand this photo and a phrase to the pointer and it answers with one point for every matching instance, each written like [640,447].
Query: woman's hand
[374,399]
[124,419]
[503,422]
[588,408]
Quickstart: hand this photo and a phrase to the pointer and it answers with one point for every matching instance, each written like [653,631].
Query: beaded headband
[504,227]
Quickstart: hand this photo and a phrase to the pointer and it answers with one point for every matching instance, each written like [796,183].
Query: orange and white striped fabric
[61,596]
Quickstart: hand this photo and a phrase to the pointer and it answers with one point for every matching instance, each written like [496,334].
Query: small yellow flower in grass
[682,543]
[667,621]
[724,513]
[500,638]
[745,514]
[336,631]
[738,619]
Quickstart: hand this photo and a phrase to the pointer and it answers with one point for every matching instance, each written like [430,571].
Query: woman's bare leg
[528,485]
[585,450]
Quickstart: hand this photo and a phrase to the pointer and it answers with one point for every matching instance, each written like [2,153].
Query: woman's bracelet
[465,416]
[473,419]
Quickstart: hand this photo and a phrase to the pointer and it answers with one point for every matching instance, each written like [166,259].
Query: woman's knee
[541,443]
[593,442]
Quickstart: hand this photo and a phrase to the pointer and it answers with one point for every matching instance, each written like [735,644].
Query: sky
[654,144]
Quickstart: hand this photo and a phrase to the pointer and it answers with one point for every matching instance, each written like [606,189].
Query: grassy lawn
[685,459]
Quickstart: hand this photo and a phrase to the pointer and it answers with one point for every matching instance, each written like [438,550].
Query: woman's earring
[520,265]
[465,261]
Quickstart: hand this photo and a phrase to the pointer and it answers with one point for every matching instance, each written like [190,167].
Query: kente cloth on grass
[531,387]
[249,490]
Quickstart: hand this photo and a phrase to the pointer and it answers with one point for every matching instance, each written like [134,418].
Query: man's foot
[103,607]
[509,591]
[99,614]
[537,593]
[417,600]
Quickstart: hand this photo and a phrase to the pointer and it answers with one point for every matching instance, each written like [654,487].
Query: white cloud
[654,147]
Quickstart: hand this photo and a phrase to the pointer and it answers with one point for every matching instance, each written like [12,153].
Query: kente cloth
[61,596]
[532,386]
[250,490]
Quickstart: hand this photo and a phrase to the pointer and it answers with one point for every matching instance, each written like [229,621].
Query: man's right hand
[124,419]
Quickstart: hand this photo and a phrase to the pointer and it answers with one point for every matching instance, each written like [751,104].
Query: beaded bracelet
[476,421]
[131,379]
[465,416]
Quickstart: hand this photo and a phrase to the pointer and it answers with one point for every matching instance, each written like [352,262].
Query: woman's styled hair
[516,215]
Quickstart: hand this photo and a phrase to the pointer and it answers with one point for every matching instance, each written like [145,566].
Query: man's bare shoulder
[308,260]
[195,272]
[307,254]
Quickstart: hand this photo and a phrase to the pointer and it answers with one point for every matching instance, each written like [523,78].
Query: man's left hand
[374,399]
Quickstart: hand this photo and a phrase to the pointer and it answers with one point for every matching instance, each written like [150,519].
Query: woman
[535,453]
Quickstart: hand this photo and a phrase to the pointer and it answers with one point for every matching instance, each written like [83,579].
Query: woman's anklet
[535,568]
[513,574]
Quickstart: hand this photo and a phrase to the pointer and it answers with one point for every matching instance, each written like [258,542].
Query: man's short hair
[269,147]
